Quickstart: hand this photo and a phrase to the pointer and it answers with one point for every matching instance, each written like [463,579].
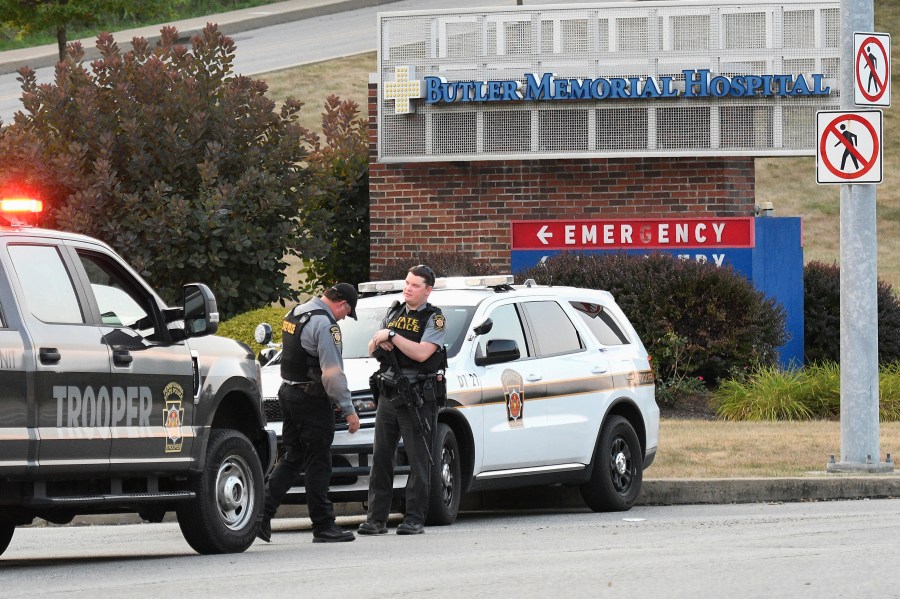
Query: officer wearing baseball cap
[346,291]
[313,383]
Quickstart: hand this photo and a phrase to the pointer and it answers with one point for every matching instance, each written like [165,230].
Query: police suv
[546,385]
[111,401]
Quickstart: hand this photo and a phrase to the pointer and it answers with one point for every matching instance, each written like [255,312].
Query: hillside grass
[790,183]
[11,39]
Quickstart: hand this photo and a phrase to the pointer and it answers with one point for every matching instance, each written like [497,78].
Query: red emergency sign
[634,233]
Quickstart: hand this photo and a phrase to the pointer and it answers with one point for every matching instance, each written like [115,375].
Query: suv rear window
[602,325]
[553,331]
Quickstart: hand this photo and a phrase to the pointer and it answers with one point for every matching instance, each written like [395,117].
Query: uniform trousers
[307,433]
[392,421]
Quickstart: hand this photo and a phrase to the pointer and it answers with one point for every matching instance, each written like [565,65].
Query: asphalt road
[825,549]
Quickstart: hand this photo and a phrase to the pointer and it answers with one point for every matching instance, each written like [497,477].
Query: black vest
[297,364]
[412,326]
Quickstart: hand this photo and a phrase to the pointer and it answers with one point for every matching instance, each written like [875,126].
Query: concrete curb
[817,487]
[705,491]
[229,23]
[758,490]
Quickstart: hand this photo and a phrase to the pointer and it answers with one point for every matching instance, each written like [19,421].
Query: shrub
[242,327]
[799,394]
[822,388]
[181,166]
[679,384]
[822,316]
[767,394]
[889,392]
[727,324]
[333,240]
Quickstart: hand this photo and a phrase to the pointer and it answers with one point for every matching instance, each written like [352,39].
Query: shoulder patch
[439,322]
[336,334]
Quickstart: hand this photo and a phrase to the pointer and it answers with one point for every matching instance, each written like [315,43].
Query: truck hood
[358,371]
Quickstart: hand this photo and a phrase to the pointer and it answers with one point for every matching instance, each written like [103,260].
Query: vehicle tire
[225,515]
[7,528]
[618,469]
[446,478]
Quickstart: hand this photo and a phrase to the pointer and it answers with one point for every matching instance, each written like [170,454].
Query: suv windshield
[357,333]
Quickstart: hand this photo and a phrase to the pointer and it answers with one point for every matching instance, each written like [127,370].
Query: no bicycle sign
[849,147]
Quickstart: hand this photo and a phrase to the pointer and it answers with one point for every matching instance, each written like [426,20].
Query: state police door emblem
[173,416]
[514,392]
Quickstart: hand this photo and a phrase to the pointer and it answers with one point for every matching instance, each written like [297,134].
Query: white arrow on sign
[543,235]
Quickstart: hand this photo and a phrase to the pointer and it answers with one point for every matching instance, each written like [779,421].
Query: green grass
[187,9]
[241,327]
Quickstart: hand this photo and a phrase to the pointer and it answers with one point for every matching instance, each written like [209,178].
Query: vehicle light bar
[380,286]
[490,281]
[439,283]
[21,205]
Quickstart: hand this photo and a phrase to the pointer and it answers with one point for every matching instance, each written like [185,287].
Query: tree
[184,168]
[29,16]
[334,221]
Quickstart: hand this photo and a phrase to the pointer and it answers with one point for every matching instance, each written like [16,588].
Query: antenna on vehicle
[543,263]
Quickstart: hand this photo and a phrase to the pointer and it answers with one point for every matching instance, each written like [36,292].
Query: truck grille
[273,411]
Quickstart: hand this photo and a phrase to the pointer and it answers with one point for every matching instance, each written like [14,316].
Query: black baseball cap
[347,292]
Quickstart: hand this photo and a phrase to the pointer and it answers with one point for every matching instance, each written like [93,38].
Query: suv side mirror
[266,354]
[201,314]
[498,351]
[484,327]
[263,333]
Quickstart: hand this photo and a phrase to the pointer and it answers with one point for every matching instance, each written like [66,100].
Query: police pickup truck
[113,402]
[545,385]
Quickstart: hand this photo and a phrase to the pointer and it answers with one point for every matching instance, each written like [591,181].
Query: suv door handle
[49,355]
[122,357]
[533,377]
[599,369]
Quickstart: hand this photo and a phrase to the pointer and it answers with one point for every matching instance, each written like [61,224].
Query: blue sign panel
[774,264]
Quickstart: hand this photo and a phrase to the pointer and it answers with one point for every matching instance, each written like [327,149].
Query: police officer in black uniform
[313,382]
[414,331]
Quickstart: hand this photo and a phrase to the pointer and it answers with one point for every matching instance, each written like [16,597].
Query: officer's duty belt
[295,383]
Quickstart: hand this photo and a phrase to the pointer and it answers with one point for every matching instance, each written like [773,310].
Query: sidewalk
[229,23]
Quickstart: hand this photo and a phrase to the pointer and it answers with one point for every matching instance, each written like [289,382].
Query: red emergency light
[19,211]
[21,205]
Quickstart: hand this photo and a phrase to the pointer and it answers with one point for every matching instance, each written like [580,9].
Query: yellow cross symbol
[402,89]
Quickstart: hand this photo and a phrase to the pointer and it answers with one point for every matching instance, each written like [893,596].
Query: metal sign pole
[860,436]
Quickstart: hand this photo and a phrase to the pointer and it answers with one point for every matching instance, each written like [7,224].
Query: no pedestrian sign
[849,147]
[872,85]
